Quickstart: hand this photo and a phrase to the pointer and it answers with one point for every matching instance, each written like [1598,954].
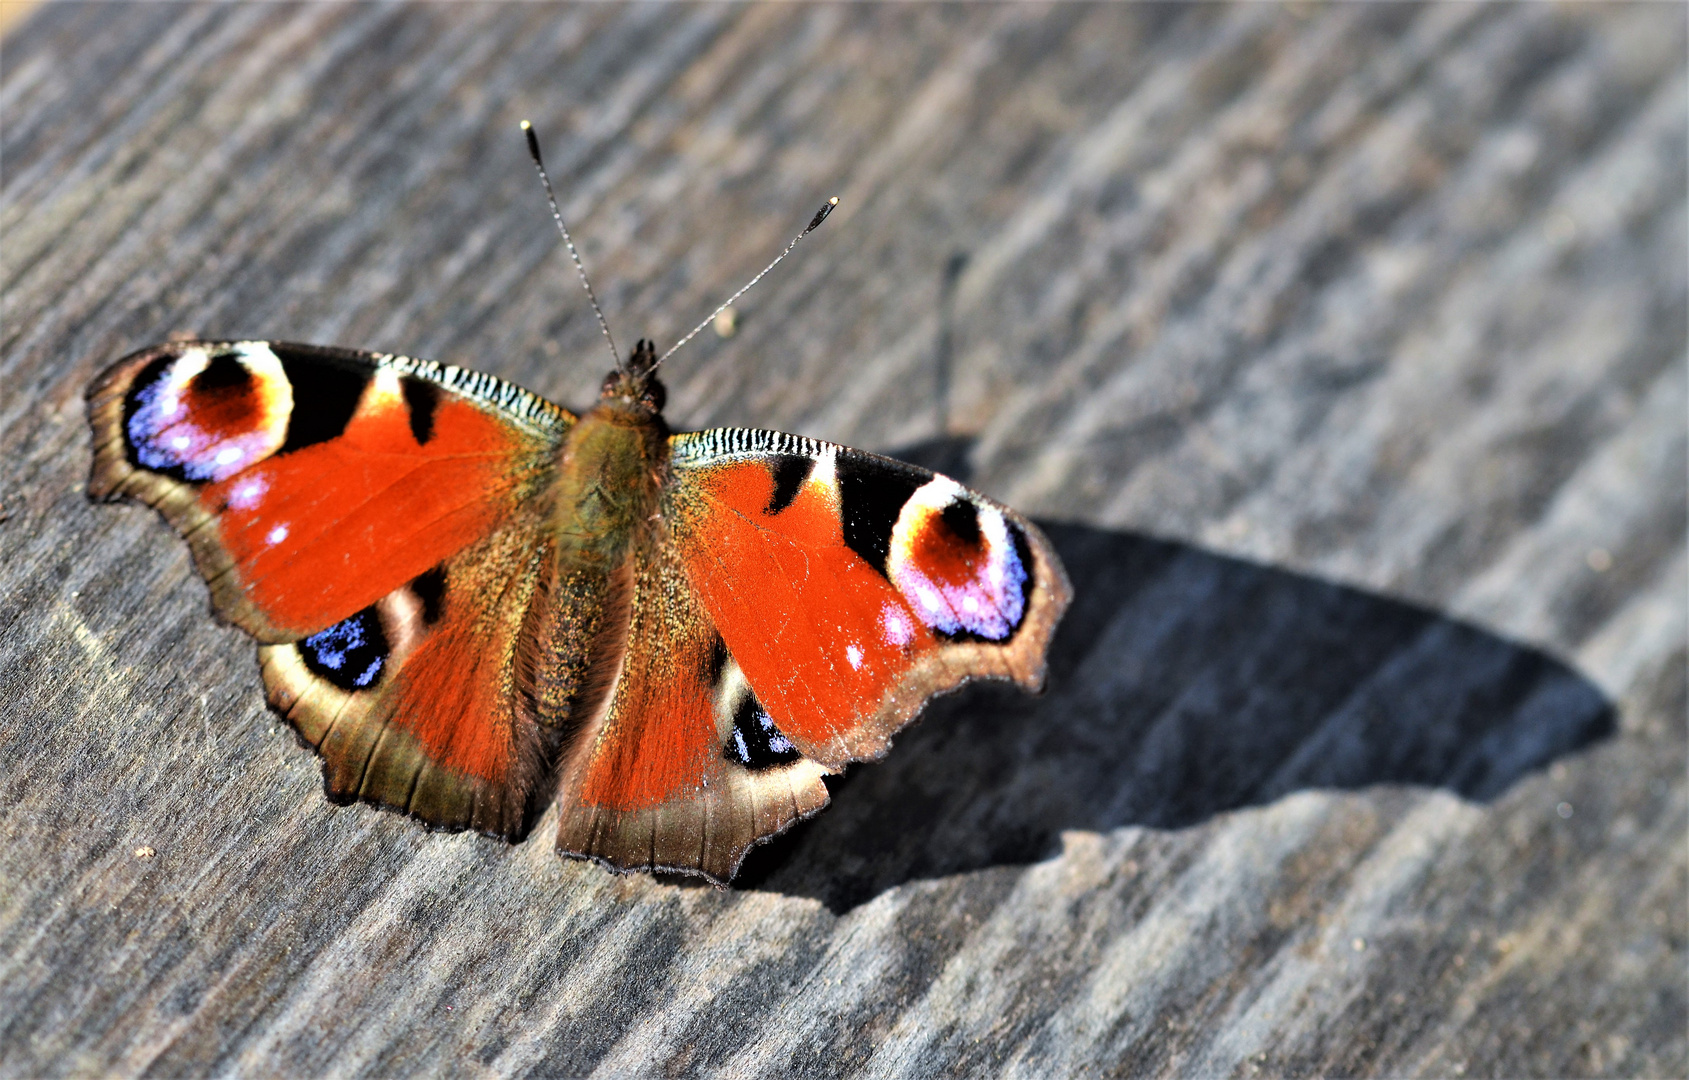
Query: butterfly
[471,602]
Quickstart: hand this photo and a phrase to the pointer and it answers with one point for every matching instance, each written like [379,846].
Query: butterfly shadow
[1183,684]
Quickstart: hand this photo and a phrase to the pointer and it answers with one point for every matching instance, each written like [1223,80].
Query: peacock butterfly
[470,601]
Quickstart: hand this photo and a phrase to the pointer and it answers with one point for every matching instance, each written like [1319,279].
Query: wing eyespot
[205,412]
[755,742]
[964,566]
[351,654]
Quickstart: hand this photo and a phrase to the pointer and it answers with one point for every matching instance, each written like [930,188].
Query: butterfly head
[638,386]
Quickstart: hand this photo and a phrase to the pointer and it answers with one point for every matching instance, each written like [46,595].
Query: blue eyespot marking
[349,654]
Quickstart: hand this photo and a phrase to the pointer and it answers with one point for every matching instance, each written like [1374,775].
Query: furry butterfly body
[471,602]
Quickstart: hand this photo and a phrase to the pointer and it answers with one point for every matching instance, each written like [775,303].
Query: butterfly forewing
[850,587]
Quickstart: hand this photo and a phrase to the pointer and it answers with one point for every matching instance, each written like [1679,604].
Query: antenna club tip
[821,215]
[526,126]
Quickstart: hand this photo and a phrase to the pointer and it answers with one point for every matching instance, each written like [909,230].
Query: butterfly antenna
[557,216]
[814,223]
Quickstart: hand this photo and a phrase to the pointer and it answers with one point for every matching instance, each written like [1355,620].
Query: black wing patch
[790,471]
[872,492]
[328,391]
[421,398]
[430,588]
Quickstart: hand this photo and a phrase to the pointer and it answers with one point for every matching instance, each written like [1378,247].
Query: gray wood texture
[1341,350]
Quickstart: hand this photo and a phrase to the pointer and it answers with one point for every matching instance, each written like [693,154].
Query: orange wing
[371,519]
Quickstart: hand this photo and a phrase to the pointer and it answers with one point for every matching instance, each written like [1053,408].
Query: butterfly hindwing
[377,522]
[414,702]
[684,770]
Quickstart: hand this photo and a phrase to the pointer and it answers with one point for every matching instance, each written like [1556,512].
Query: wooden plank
[1340,349]
[13,12]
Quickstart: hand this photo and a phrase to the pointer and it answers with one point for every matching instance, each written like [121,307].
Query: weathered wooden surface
[1341,348]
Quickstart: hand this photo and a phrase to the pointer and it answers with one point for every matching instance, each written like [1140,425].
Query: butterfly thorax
[608,481]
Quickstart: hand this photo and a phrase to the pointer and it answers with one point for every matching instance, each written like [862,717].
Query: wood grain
[1341,351]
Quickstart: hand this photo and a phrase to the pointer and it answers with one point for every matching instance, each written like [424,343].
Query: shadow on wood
[1184,684]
